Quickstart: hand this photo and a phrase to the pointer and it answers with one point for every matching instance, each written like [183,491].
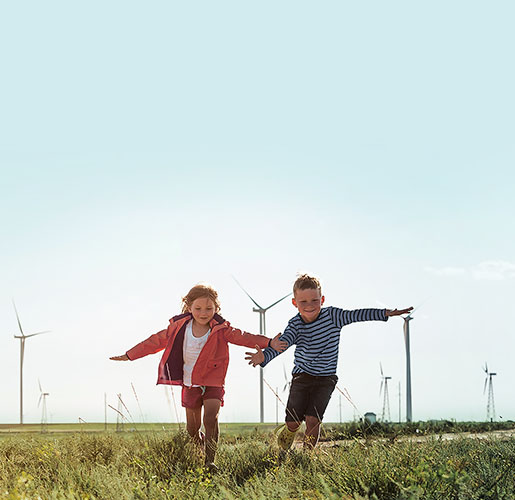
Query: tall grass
[168,466]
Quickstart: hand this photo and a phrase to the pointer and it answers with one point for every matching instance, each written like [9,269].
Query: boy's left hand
[278,345]
[398,312]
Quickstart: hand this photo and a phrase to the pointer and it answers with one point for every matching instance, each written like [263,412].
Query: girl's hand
[398,312]
[123,357]
[278,345]
[255,358]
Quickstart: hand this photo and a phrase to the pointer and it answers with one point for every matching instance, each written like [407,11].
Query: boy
[315,331]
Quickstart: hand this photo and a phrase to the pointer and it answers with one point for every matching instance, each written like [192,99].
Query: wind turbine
[407,319]
[44,417]
[22,338]
[386,399]
[490,407]
[262,331]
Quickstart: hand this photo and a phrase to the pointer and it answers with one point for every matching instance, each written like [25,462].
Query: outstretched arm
[153,344]
[398,312]
[239,337]
[342,317]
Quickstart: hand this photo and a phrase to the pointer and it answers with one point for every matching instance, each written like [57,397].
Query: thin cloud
[493,270]
[446,271]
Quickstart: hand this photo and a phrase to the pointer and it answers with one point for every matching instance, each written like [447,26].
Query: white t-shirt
[190,351]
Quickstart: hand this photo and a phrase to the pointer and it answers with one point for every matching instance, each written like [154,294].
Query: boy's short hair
[305,282]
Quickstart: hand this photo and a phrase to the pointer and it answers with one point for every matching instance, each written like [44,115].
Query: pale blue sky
[146,147]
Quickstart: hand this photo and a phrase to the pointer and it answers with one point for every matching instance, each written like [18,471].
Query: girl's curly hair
[199,291]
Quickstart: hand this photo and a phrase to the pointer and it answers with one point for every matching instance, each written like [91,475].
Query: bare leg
[312,432]
[211,411]
[193,421]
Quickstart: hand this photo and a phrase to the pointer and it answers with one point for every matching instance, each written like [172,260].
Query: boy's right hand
[278,345]
[123,357]
[255,358]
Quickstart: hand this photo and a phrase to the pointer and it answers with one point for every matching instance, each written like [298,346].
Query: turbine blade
[39,383]
[486,381]
[381,389]
[39,402]
[381,368]
[248,295]
[38,333]
[18,318]
[419,305]
[277,302]
[486,368]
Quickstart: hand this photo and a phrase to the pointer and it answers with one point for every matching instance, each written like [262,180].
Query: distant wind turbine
[262,331]
[490,407]
[385,416]
[407,319]
[44,416]
[22,338]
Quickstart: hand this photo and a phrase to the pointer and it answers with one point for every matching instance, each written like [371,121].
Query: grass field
[97,427]
[373,462]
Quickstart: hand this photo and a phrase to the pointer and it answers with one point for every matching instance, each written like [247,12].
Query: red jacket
[211,366]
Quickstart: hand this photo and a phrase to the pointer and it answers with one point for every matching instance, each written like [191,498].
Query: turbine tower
[22,338]
[44,416]
[490,407]
[407,319]
[385,416]
[262,331]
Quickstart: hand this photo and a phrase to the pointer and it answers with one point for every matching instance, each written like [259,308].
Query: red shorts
[193,397]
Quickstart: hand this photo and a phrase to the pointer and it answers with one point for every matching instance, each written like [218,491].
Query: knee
[210,419]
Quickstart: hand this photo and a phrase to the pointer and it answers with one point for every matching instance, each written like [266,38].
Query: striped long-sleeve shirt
[317,343]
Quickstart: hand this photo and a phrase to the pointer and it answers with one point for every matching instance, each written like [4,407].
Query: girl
[196,356]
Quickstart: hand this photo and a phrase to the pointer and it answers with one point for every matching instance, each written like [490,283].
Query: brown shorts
[193,397]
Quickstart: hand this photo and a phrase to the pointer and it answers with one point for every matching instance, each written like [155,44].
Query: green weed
[166,465]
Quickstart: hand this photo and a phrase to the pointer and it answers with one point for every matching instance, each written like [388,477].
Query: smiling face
[203,309]
[309,302]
